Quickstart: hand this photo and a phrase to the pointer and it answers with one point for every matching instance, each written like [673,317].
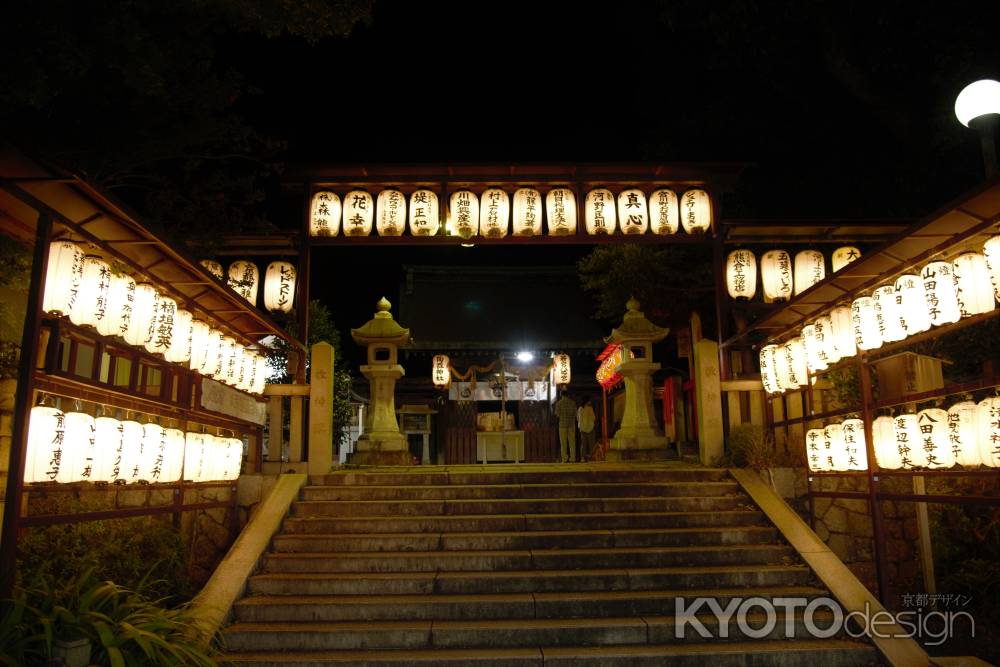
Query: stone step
[357,508]
[537,559]
[578,539]
[525,491]
[515,522]
[591,604]
[528,581]
[518,475]
[514,633]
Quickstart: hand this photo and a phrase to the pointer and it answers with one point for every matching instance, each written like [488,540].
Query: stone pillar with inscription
[321,409]
[639,438]
[708,400]
[382,443]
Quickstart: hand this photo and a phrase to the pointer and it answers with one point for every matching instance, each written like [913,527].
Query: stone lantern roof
[635,327]
[382,328]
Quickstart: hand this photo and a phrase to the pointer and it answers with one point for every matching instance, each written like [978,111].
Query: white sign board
[217,397]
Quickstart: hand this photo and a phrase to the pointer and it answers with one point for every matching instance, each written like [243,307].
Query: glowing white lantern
[843,256]
[790,365]
[77,463]
[247,371]
[424,214]
[391,211]
[768,371]
[527,219]
[776,275]
[163,327]
[279,287]
[180,347]
[463,214]
[194,456]
[234,365]
[979,98]
[988,425]
[131,458]
[865,323]
[810,268]
[234,458]
[973,287]
[227,350]
[815,357]
[909,444]
[91,305]
[441,370]
[934,442]
[599,212]
[991,251]
[632,211]
[561,369]
[825,339]
[816,450]
[46,433]
[854,445]
[107,449]
[696,211]
[889,314]
[741,274]
[173,455]
[140,324]
[324,214]
[150,466]
[198,347]
[663,215]
[118,310]
[962,434]
[494,213]
[912,300]
[260,374]
[560,210]
[63,277]
[213,267]
[834,449]
[358,213]
[884,443]
[244,279]
[213,354]
[942,293]
[842,326]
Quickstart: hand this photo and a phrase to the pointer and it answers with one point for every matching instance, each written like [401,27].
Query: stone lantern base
[381,449]
[377,458]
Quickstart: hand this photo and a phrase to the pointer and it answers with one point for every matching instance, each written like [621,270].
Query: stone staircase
[560,565]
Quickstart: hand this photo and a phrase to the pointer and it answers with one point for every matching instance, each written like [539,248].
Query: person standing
[585,421]
[565,410]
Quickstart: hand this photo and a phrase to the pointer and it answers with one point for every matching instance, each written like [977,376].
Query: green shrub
[750,446]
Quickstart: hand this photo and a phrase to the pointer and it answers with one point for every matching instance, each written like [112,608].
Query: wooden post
[274,428]
[295,429]
[924,537]
[875,508]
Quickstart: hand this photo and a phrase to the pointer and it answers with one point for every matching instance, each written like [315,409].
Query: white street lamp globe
[977,99]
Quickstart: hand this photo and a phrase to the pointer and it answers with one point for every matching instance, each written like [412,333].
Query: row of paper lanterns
[488,214]
[244,279]
[966,434]
[942,293]
[441,370]
[76,447]
[781,278]
[83,288]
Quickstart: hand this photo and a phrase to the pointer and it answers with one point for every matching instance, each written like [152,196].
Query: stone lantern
[639,437]
[382,443]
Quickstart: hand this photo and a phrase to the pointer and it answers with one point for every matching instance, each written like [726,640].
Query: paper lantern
[696,211]
[198,344]
[324,214]
[107,449]
[560,210]
[140,324]
[151,457]
[663,213]
[91,304]
[173,455]
[424,213]
[776,275]
[194,456]
[889,314]
[260,374]
[463,214]
[825,338]
[391,212]
[815,357]
[909,443]
[132,443]
[118,310]
[527,219]
[884,443]
[599,212]
[213,354]
[810,268]
[46,433]
[441,370]
[855,448]
[213,267]
[865,323]
[933,423]
[247,368]
[741,274]
[942,293]
[790,365]
[912,300]
[227,350]
[234,365]
[162,328]
[991,251]
[768,371]
[63,276]
[973,286]
[494,214]
[561,369]
[77,461]
[843,256]
[834,449]
[632,212]
[963,436]
[816,449]
[179,351]
[988,425]
[279,287]
[244,279]
[233,458]
[358,213]
[842,326]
